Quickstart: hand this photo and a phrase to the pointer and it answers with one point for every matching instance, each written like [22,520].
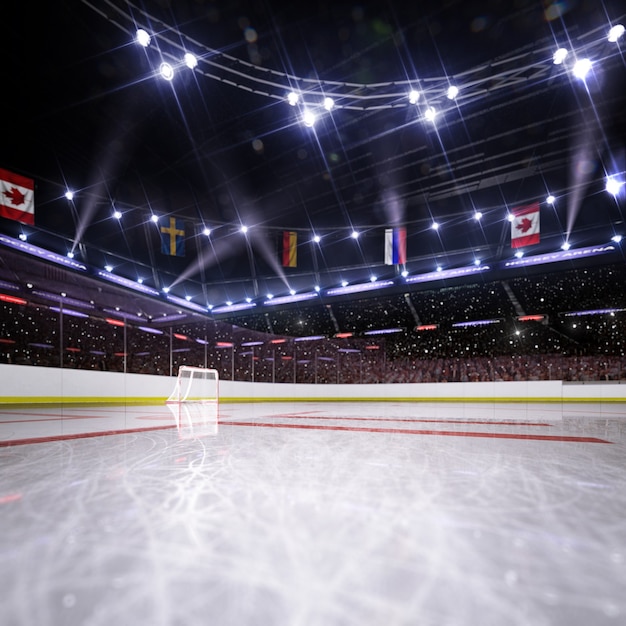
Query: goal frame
[184,383]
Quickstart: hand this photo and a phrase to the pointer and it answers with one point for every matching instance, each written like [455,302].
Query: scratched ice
[319,514]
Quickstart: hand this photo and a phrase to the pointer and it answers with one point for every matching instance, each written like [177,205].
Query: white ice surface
[315,515]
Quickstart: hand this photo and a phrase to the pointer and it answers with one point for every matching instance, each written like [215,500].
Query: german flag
[290,248]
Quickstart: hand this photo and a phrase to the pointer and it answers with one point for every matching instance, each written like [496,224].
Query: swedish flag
[173,238]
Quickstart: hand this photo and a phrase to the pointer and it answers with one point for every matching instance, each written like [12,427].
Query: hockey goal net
[195,384]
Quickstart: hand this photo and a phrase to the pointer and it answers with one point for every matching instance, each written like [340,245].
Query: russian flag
[395,246]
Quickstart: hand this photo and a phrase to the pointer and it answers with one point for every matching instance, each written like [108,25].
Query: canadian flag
[525,226]
[17,197]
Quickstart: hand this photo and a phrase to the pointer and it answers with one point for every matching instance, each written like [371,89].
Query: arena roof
[220,147]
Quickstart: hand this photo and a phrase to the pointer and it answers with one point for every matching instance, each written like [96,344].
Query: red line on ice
[406,431]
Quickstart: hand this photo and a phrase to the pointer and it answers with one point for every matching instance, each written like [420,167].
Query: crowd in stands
[568,325]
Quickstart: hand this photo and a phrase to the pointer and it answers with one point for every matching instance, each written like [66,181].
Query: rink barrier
[23,384]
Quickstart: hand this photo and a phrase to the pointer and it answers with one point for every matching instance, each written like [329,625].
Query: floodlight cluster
[312,97]
[614,185]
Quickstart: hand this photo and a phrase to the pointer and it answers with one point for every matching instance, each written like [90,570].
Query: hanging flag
[395,246]
[525,226]
[290,251]
[17,197]
[173,238]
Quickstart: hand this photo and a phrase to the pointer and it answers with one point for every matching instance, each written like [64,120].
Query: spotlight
[616,238]
[154,218]
[478,216]
[244,229]
[414,96]
[519,254]
[143,38]
[293,98]
[117,215]
[309,118]
[70,255]
[566,246]
[108,268]
[435,226]
[616,33]
[355,234]
[453,92]
[430,114]
[69,195]
[559,56]
[206,232]
[190,60]
[550,199]
[613,185]
[582,67]
[317,238]
[329,104]
[166,71]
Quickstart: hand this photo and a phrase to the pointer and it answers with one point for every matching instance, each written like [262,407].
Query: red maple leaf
[524,225]
[15,196]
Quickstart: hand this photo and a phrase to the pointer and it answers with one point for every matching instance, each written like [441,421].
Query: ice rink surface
[314,514]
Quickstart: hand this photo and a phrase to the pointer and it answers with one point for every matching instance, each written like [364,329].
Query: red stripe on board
[404,431]
[22,442]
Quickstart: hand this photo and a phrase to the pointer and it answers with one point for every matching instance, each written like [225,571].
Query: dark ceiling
[219,146]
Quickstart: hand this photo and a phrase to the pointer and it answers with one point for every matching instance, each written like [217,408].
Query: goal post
[195,384]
